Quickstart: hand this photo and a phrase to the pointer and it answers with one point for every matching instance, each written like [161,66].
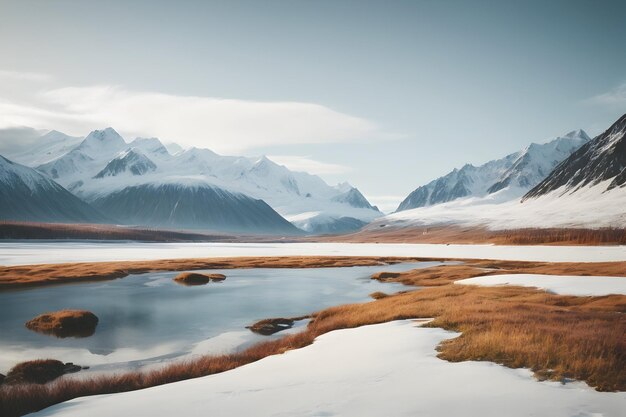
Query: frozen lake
[40,252]
[146,319]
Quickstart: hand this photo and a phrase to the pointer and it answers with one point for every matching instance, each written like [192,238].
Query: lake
[148,319]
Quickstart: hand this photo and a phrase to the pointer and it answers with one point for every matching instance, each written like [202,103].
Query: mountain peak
[105,134]
[599,161]
[131,161]
[577,134]
[354,198]
[107,137]
[150,145]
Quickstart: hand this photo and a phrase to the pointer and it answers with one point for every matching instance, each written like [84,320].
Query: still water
[147,319]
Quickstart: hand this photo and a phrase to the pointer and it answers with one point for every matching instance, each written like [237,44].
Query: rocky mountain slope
[599,163]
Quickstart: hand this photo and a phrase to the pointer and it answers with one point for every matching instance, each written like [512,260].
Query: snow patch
[557,284]
[385,369]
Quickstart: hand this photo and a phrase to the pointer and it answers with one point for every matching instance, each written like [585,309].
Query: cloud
[17,138]
[306,164]
[614,97]
[223,125]
[24,76]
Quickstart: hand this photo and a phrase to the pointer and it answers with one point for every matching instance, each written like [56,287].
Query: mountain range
[142,183]
[600,164]
[571,181]
[513,175]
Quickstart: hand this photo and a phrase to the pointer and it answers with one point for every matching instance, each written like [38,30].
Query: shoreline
[518,322]
[32,276]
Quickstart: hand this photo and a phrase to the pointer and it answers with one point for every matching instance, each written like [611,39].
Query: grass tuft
[65,323]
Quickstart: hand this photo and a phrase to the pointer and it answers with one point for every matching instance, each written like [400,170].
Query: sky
[386,95]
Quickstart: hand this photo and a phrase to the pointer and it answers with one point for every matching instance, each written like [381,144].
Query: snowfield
[497,211]
[388,369]
[557,284]
[44,252]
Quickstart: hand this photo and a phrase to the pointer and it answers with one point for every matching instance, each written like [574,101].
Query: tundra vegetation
[558,337]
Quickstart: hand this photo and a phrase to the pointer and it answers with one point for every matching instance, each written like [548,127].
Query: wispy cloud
[224,125]
[24,76]
[616,96]
[307,164]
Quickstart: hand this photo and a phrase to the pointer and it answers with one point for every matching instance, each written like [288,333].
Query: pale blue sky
[404,90]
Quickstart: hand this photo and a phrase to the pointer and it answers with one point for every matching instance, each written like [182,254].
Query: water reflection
[147,318]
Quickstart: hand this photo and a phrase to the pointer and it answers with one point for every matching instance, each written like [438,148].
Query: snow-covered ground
[591,206]
[558,284]
[33,252]
[388,369]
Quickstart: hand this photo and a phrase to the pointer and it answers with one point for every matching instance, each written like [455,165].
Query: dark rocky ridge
[602,159]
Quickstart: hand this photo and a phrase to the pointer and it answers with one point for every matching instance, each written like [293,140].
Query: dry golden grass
[475,234]
[21,276]
[446,274]
[378,295]
[13,277]
[65,323]
[32,230]
[556,336]
[194,278]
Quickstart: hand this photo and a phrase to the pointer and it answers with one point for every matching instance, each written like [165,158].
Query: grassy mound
[378,295]
[267,327]
[65,323]
[38,371]
[195,278]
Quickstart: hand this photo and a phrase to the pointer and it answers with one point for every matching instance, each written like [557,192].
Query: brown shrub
[35,372]
[378,295]
[194,278]
[65,323]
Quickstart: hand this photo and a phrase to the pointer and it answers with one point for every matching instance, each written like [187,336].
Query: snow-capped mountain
[354,198]
[103,164]
[510,176]
[27,195]
[131,161]
[49,147]
[99,147]
[587,189]
[600,163]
